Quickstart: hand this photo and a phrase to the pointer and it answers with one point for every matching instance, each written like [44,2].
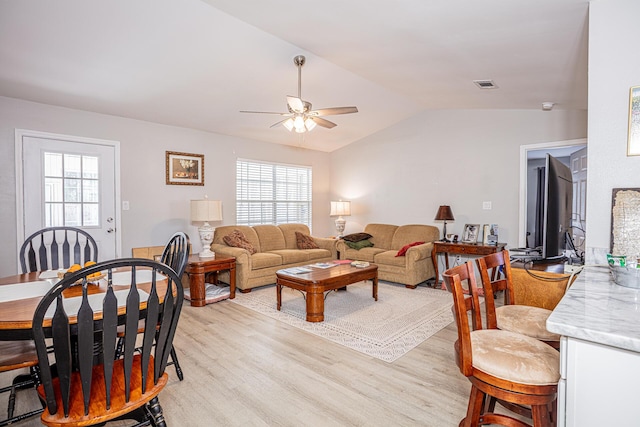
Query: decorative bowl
[628,276]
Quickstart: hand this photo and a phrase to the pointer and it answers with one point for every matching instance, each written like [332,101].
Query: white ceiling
[197,63]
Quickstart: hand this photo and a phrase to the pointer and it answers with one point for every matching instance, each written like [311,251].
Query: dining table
[20,295]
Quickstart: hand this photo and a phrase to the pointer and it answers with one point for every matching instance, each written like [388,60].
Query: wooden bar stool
[512,368]
[522,319]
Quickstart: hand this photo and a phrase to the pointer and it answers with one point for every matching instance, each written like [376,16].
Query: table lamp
[339,209]
[444,214]
[204,211]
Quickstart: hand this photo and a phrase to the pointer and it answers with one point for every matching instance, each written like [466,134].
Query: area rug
[399,321]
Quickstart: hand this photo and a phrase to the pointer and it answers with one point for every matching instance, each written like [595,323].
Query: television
[555,203]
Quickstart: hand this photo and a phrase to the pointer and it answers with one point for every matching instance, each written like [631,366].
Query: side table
[198,267]
[460,249]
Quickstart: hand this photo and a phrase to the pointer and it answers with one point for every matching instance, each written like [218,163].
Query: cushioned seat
[364,254]
[526,320]
[315,254]
[266,259]
[390,258]
[493,352]
[290,256]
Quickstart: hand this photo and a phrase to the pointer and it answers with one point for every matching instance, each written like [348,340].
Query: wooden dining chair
[53,248]
[505,366]
[176,256]
[88,385]
[16,355]
[523,319]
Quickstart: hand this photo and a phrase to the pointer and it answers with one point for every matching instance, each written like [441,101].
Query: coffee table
[321,280]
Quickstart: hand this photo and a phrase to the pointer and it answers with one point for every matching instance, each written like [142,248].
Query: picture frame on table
[633,141]
[184,168]
[470,233]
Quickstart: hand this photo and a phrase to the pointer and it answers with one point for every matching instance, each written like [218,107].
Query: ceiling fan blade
[278,123]
[267,112]
[296,104]
[323,122]
[333,111]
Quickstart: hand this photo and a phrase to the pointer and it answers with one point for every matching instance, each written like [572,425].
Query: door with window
[70,183]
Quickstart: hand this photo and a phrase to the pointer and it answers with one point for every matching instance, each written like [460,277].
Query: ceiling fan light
[288,124]
[298,124]
[309,124]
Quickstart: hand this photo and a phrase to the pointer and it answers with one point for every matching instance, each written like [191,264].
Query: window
[271,193]
[71,190]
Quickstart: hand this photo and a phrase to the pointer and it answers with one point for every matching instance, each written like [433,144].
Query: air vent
[485,84]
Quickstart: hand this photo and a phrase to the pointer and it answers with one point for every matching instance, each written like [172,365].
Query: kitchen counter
[595,309]
[599,352]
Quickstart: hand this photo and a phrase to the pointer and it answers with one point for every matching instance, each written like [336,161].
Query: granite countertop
[596,309]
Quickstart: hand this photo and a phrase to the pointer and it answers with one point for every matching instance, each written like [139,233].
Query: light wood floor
[245,369]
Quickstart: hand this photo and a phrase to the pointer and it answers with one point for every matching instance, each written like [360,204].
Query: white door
[70,183]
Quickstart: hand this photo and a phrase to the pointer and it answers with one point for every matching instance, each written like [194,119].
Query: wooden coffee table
[321,280]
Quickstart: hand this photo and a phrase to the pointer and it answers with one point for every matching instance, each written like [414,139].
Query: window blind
[272,193]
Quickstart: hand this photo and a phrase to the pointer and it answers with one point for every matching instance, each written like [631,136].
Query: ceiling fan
[301,117]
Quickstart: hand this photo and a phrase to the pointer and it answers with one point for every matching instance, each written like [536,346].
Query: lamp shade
[340,208]
[206,210]
[444,214]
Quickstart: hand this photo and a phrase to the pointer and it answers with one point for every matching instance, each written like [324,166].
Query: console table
[198,267]
[460,249]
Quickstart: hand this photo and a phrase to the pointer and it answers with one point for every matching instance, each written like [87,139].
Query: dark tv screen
[558,202]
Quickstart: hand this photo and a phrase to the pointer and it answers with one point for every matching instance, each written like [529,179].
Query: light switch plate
[486,205]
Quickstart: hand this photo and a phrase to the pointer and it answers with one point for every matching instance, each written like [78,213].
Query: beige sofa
[413,268]
[276,249]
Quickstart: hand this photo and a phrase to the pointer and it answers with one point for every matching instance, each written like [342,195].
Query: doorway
[559,149]
[72,181]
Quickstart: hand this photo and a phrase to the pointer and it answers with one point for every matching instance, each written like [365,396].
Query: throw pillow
[405,248]
[305,242]
[356,237]
[237,239]
[359,245]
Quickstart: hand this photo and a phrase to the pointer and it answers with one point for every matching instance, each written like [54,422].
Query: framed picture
[633,143]
[184,168]
[470,233]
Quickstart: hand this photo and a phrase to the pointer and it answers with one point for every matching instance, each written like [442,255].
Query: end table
[198,267]
[460,249]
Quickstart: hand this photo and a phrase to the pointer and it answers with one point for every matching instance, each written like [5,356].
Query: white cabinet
[599,386]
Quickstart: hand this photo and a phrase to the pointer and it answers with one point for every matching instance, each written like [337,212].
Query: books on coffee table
[297,270]
[323,265]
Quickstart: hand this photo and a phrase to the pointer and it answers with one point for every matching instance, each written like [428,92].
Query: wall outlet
[458,259]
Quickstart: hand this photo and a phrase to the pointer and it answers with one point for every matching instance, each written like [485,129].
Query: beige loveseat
[413,268]
[276,249]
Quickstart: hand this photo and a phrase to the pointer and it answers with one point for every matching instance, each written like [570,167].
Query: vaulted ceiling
[197,63]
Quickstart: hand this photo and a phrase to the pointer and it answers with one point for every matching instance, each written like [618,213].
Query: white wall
[614,66]
[456,157]
[156,210]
